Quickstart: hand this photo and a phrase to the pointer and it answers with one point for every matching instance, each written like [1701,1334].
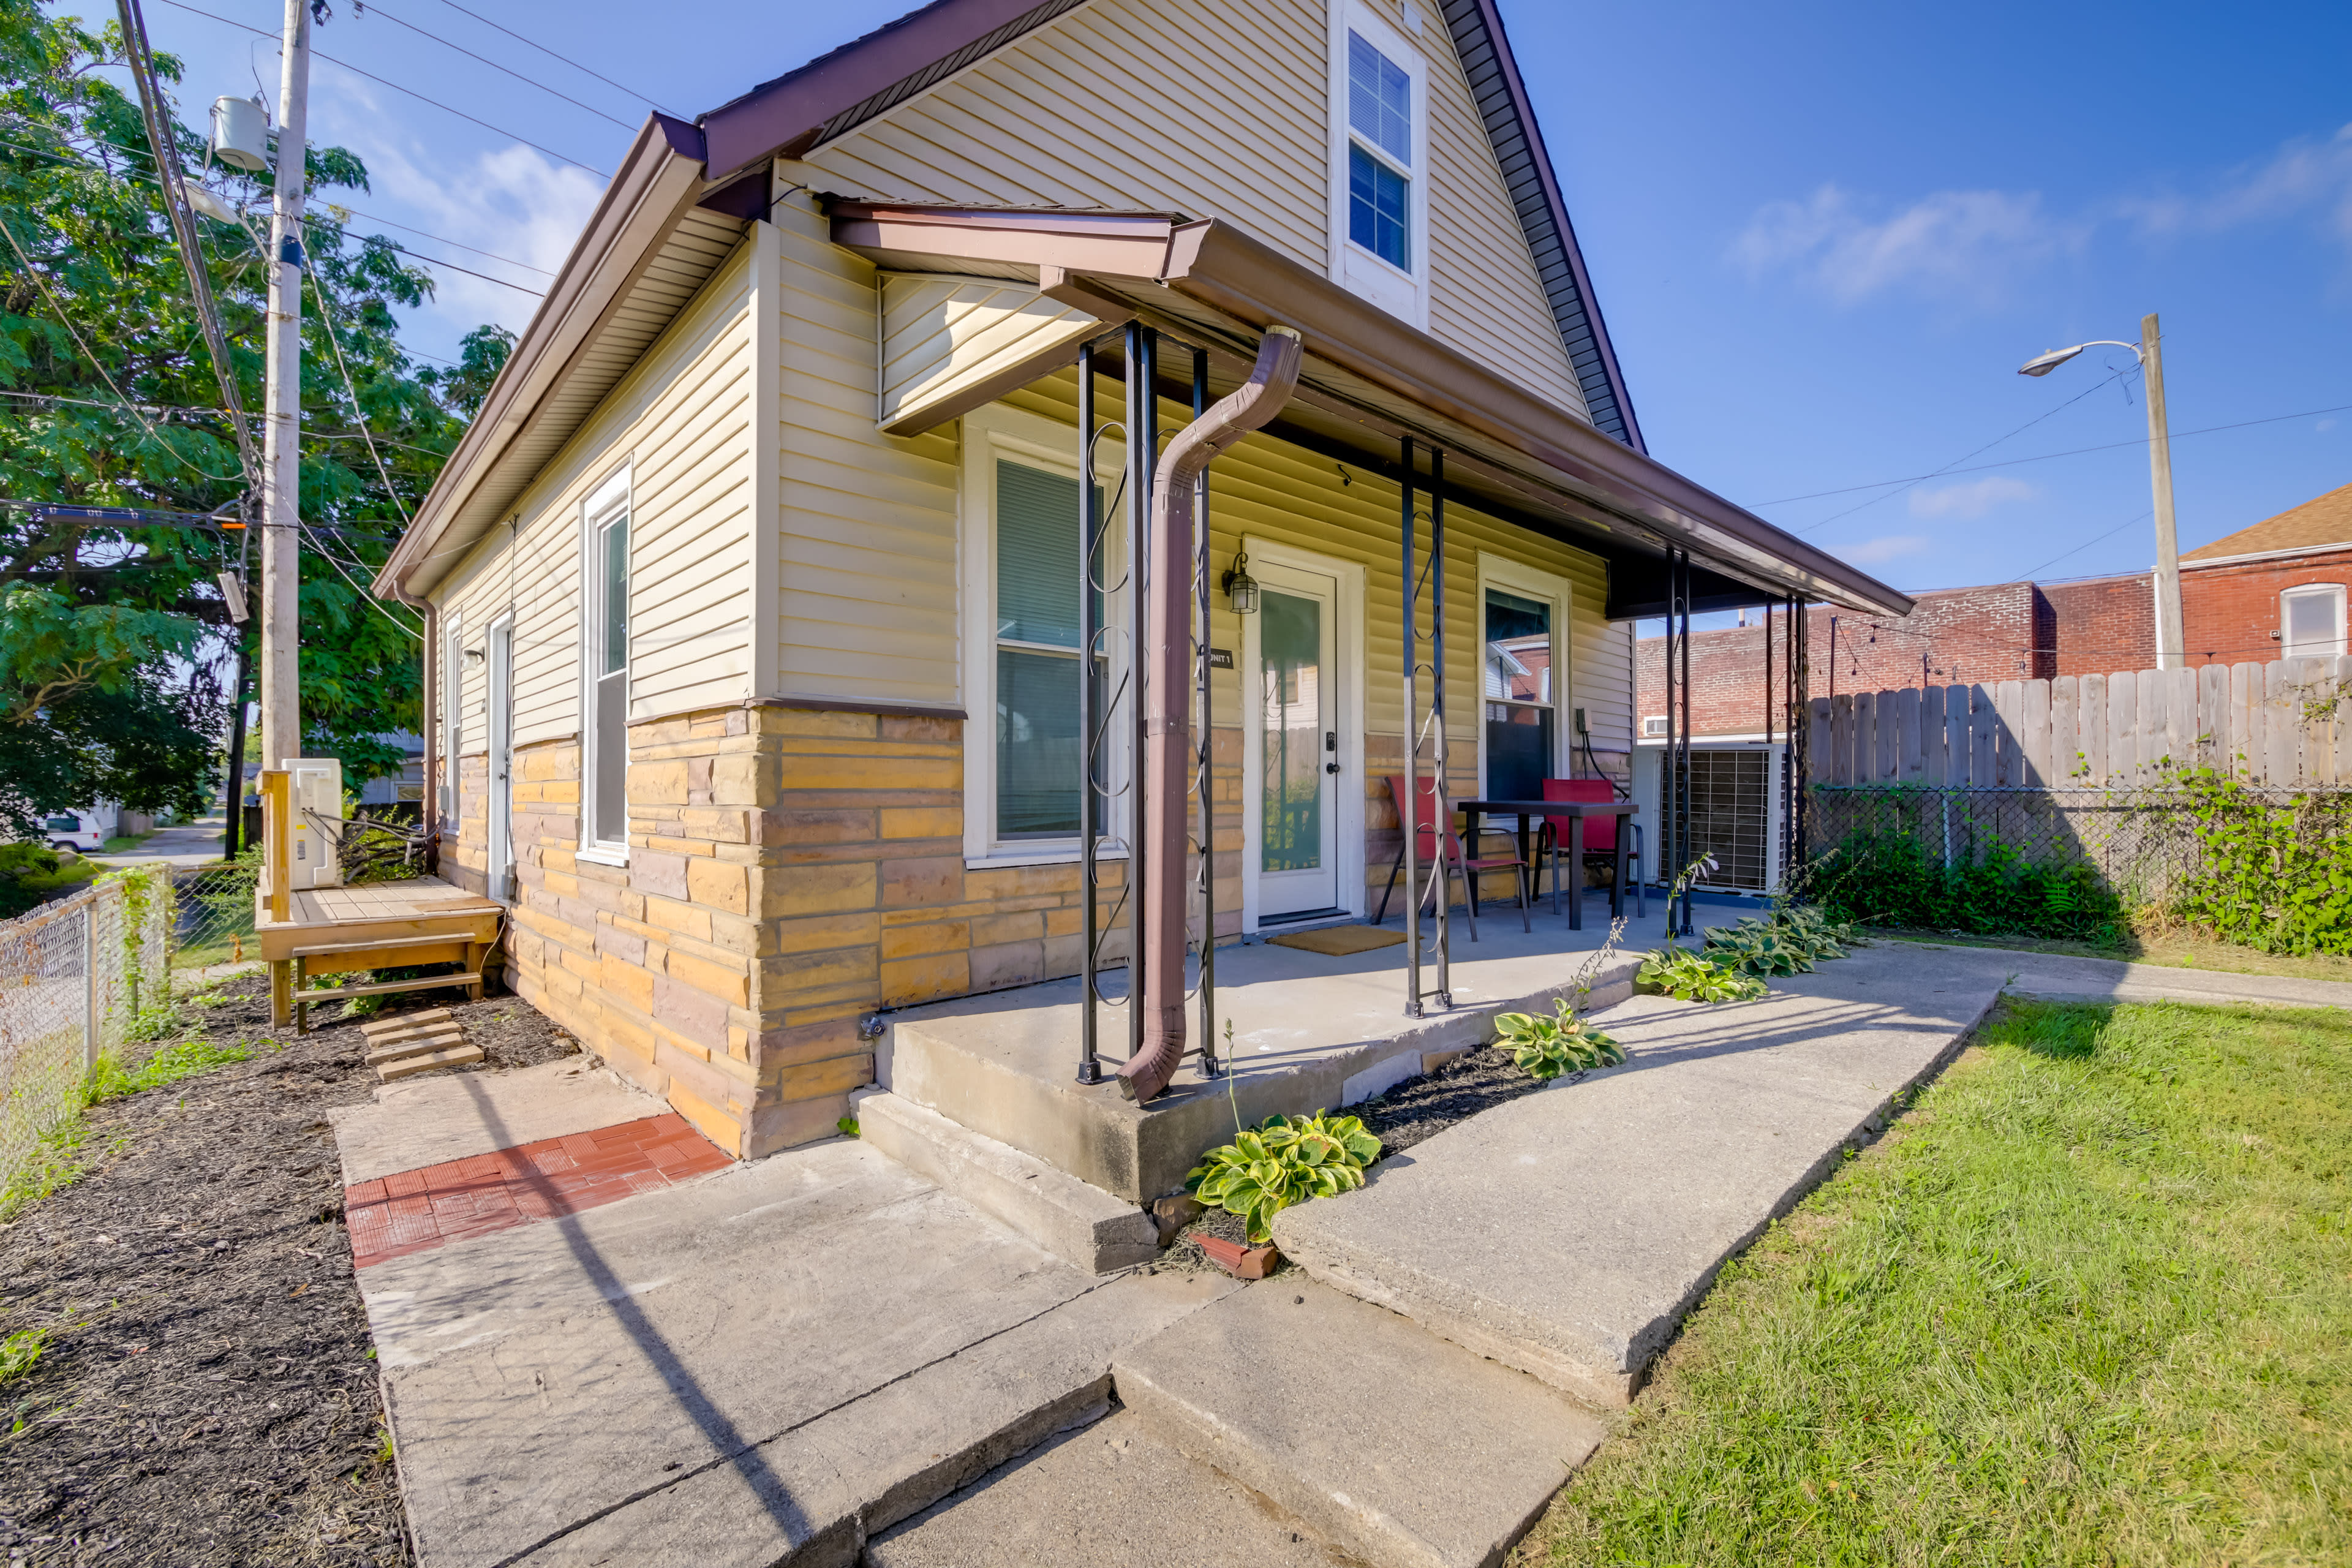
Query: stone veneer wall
[790,871]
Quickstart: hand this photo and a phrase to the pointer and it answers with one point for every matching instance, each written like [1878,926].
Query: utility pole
[2171,642]
[281,570]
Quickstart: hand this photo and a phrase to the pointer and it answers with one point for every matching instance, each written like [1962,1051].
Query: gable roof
[2325,520]
[836,92]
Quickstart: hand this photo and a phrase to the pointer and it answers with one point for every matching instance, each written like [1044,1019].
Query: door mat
[1339,942]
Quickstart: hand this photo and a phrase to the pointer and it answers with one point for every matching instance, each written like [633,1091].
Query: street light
[2168,639]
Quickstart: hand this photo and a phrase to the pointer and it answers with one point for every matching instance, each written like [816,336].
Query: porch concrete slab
[1402,1450]
[1567,1232]
[412,1125]
[549,1378]
[1113,1493]
[1311,1032]
[1077,1221]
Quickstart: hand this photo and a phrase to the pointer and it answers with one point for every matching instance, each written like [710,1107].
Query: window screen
[608,806]
[2314,624]
[1040,752]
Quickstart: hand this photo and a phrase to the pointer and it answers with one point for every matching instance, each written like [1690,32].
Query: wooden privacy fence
[2287,723]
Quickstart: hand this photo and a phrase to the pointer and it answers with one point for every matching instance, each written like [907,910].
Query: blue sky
[1825,236]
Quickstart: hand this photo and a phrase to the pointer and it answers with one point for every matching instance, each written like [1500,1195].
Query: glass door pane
[1291,677]
[1518,692]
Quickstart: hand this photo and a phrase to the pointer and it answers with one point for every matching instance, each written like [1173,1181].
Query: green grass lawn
[2090,1302]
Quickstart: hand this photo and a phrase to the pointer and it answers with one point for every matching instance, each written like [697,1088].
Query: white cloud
[2302,177]
[1970,499]
[1886,547]
[514,202]
[1956,245]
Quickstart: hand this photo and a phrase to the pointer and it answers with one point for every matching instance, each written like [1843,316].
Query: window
[453,682]
[2311,621]
[1039,752]
[1379,147]
[604,794]
[1655,724]
[1380,153]
[64,824]
[1024,761]
[1518,690]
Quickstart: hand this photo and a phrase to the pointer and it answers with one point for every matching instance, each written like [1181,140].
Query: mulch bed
[209,1395]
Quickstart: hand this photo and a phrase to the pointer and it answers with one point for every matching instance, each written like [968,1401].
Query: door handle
[1330,767]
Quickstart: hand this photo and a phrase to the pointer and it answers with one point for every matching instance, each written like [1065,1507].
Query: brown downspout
[1168,702]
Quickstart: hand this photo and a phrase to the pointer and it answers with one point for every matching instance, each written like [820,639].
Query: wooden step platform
[371,926]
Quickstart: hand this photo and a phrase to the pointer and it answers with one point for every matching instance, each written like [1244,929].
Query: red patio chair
[1432,812]
[1600,837]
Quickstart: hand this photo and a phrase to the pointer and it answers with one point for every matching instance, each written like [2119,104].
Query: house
[761,662]
[2274,590]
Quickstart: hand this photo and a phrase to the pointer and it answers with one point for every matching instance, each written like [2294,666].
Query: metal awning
[1371,380]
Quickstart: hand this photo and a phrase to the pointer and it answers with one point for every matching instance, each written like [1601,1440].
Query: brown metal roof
[2326,519]
[1369,377]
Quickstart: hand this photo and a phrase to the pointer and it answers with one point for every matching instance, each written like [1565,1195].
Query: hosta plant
[1694,977]
[1281,1161]
[1547,1048]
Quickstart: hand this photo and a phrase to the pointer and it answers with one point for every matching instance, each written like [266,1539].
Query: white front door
[1293,705]
[498,706]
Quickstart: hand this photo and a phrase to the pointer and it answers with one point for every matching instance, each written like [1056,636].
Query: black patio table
[1576,811]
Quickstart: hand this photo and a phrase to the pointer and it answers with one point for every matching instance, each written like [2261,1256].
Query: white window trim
[615,493]
[1401,294]
[1348,711]
[2312,590]
[1531,583]
[990,433]
[452,721]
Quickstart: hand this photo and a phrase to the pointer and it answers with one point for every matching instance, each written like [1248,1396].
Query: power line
[366,598]
[1953,466]
[326,313]
[380,11]
[2075,452]
[42,283]
[333,208]
[551,54]
[410,92]
[168,408]
[2088,542]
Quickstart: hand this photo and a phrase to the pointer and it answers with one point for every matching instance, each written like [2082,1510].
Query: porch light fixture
[1240,587]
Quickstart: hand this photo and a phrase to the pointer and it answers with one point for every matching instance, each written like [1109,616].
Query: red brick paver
[394,1215]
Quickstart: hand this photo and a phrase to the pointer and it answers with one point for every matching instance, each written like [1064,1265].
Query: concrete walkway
[825,1358]
[195,843]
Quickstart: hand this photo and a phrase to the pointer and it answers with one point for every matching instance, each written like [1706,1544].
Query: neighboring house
[754,590]
[2272,590]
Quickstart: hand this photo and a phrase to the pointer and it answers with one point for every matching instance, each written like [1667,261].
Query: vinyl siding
[940,335]
[681,418]
[1212,108]
[865,531]
[1484,297]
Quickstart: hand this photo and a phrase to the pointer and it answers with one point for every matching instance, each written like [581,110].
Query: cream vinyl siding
[1285,494]
[866,524]
[1484,298]
[683,416]
[1211,108]
[940,335]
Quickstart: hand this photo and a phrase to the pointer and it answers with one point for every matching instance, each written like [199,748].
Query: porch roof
[1370,380]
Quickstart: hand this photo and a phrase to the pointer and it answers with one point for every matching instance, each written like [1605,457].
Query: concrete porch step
[1111,1493]
[1080,1223]
[1400,1449]
[1311,1032]
[1568,1233]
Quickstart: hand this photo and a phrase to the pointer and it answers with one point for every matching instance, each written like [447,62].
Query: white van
[85,831]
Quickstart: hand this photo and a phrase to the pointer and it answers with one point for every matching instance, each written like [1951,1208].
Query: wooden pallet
[417,1042]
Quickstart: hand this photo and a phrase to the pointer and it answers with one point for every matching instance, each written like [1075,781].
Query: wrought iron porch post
[1205,771]
[1683,779]
[1800,726]
[1089,632]
[1143,454]
[1440,781]
[1409,807]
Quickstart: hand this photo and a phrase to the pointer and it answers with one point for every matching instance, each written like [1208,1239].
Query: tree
[116,645]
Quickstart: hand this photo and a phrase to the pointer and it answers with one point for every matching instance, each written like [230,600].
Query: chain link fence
[2058,862]
[213,928]
[74,976]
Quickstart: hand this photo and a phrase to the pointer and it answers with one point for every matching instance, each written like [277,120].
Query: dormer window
[1379,148]
[1380,153]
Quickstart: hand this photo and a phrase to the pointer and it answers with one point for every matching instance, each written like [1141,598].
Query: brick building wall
[2008,631]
